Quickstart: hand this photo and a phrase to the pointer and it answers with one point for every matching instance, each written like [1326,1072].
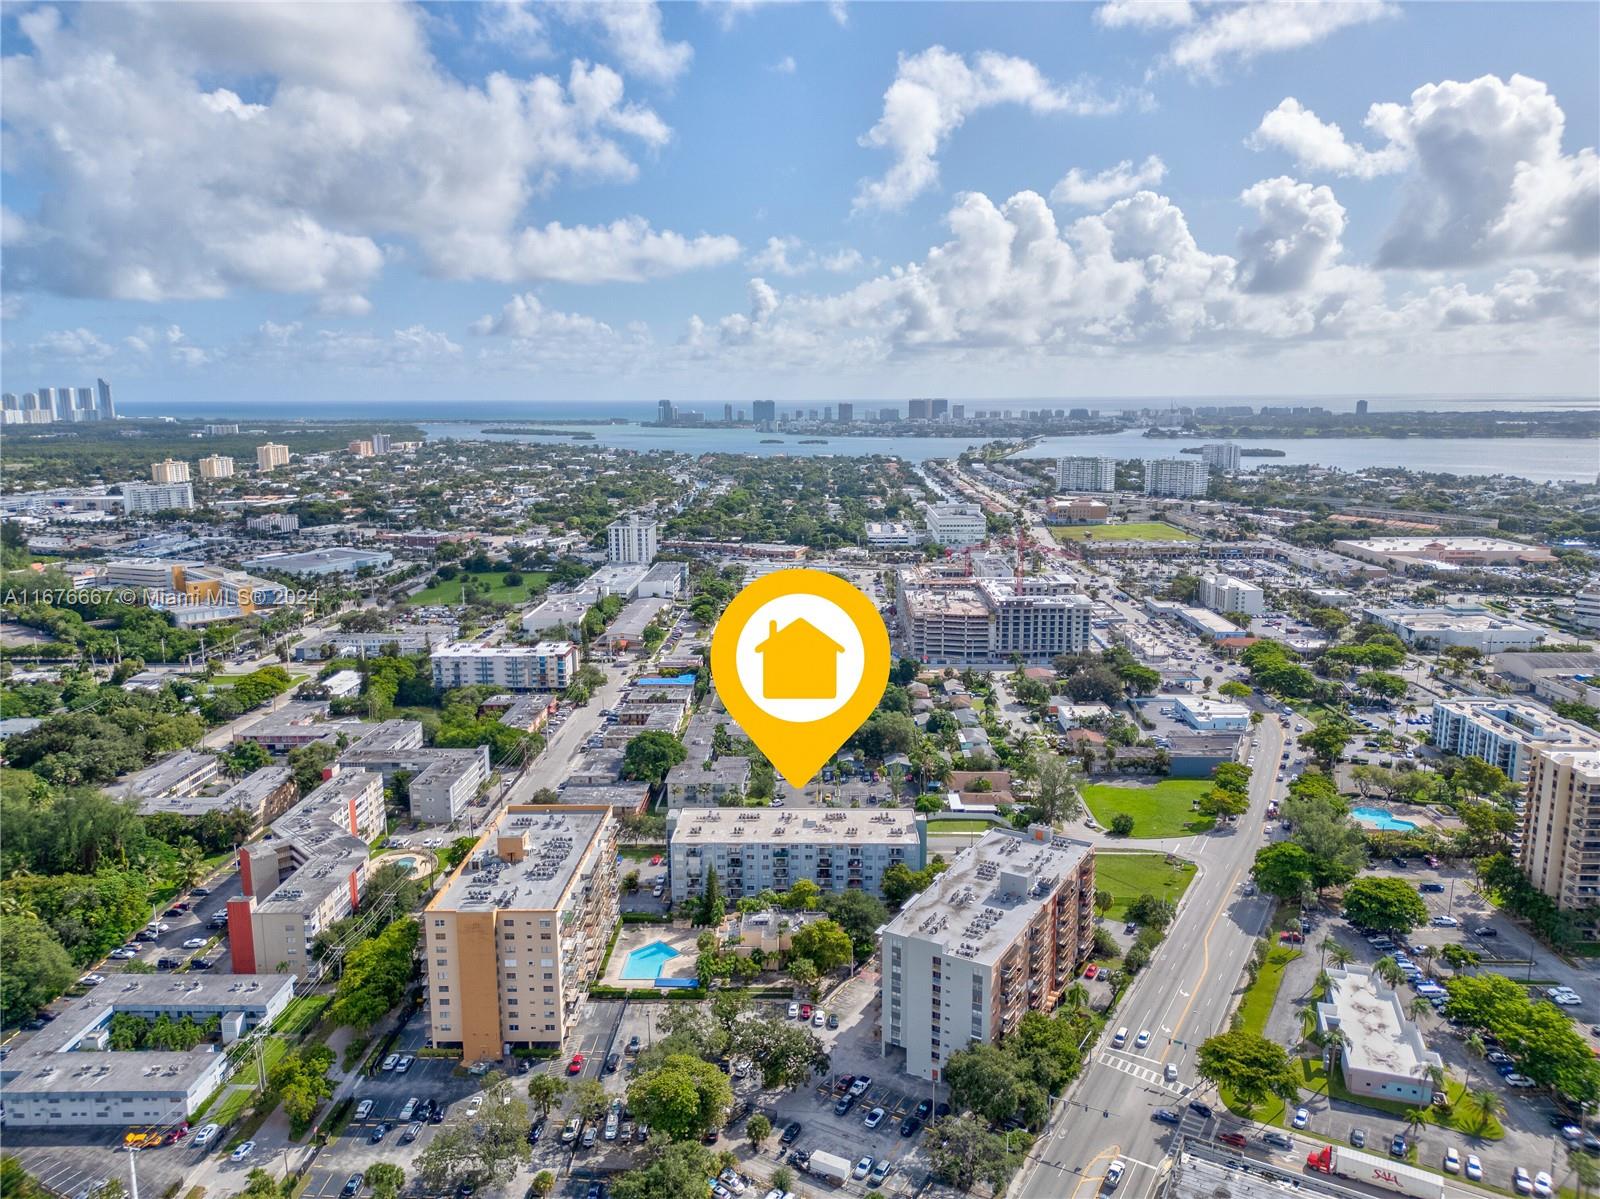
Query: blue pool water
[408,863]
[1382,819]
[645,962]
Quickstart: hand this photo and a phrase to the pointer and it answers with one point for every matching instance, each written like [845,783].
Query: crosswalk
[1143,1073]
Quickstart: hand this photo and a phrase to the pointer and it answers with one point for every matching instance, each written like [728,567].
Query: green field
[961,826]
[1130,875]
[1158,809]
[1138,530]
[533,582]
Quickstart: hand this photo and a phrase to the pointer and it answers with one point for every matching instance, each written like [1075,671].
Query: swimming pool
[645,963]
[408,863]
[1382,819]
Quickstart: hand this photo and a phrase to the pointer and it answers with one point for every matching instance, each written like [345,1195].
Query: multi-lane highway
[1181,998]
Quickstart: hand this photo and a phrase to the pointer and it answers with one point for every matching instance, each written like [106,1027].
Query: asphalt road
[1182,998]
[564,747]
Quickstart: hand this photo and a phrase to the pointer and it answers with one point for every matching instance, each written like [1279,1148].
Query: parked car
[379,1132]
[863,1168]
[791,1133]
[874,1117]
[389,1062]
[363,1109]
[1301,1118]
[242,1152]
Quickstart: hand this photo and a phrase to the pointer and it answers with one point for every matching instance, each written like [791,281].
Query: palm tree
[1341,954]
[1388,970]
[1475,1044]
[1077,996]
[1427,954]
[1489,1104]
[1418,1008]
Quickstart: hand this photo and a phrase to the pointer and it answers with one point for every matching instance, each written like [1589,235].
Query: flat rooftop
[1424,619]
[1520,721]
[1379,1038]
[799,826]
[48,1062]
[979,906]
[318,827]
[556,839]
[248,793]
[169,773]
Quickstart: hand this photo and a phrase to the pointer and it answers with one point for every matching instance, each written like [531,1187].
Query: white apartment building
[1586,608]
[1561,827]
[157,497]
[443,781]
[1505,733]
[1224,593]
[892,534]
[956,525]
[67,1076]
[758,849]
[170,471]
[1470,625]
[271,456]
[274,522]
[1000,933]
[1176,478]
[512,940]
[633,539]
[1383,1053]
[547,666]
[216,466]
[1086,474]
[957,621]
[1222,457]
[307,872]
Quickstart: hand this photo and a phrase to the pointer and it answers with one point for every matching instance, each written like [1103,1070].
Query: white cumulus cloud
[935,91]
[1145,14]
[1298,235]
[1096,191]
[790,256]
[1222,34]
[1318,145]
[159,181]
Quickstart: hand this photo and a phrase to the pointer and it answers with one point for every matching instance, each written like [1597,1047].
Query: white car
[363,1109]
[1142,1039]
[863,1168]
[404,1063]
[388,1062]
[475,1104]
[195,943]
[875,1117]
[1114,1173]
[794,1011]
[1301,1118]
[92,980]
[1445,922]
[1543,1184]
[207,1134]
[242,1152]
[1474,1168]
[818,1018]
[1452,1161]
[1520,1182]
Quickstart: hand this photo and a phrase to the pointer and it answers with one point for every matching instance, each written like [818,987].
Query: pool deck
[635,936]
[1423,818]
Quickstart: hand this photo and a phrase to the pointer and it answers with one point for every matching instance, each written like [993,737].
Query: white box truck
[827,1165]
[1381,1172]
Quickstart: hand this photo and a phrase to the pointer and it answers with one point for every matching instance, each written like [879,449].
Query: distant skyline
[614,203]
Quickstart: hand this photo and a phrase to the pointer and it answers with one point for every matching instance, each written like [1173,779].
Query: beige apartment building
[518,932]
[307,872]
[271,456]
[1001,933]
[216,466]
[169,471]
[1561,827]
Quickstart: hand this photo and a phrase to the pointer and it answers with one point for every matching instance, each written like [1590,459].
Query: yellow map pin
[800,659]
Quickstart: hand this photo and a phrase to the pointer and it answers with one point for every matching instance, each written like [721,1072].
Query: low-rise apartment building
[759,849]
[309,870]
[265,794]
[441,782]
[1224,593]
[515,936]
[1000,933]
[547,666]
[1505,733]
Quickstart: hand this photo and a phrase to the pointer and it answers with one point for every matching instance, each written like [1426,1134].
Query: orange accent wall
[242,935]
[478,1004]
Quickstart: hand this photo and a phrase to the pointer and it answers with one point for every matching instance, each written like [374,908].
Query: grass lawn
[1158,809]
[1253,1011]
[1130,875]
[1136,530]
[960,826]
[533,582]
[1315,713]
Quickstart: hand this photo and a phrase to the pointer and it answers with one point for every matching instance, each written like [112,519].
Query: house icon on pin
[799,662]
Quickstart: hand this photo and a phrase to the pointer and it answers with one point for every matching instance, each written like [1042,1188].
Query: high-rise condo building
[1000,933]
[1222,456]
[216,466]
[170,471]
[107,409]
[764,412]
[1086,474]
[271,456]
[156,497]
[1561,828]
[633,539]
[847,413]
[1176,478]
[938,409]
[664,412]
[917,410]
[514,937]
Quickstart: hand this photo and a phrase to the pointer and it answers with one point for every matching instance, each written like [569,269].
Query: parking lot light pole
[133,1173]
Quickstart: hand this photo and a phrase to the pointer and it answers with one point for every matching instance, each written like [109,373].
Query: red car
[805,1011]
[1237,1139]
[575,1066]
[656,860]
[1090,970]
[1291,936]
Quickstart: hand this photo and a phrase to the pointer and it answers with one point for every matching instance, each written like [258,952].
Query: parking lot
[76,1161]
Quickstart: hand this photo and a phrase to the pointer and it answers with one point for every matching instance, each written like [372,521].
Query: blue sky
[580,202]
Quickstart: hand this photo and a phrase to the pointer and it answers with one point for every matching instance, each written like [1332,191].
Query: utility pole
[133,1173]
